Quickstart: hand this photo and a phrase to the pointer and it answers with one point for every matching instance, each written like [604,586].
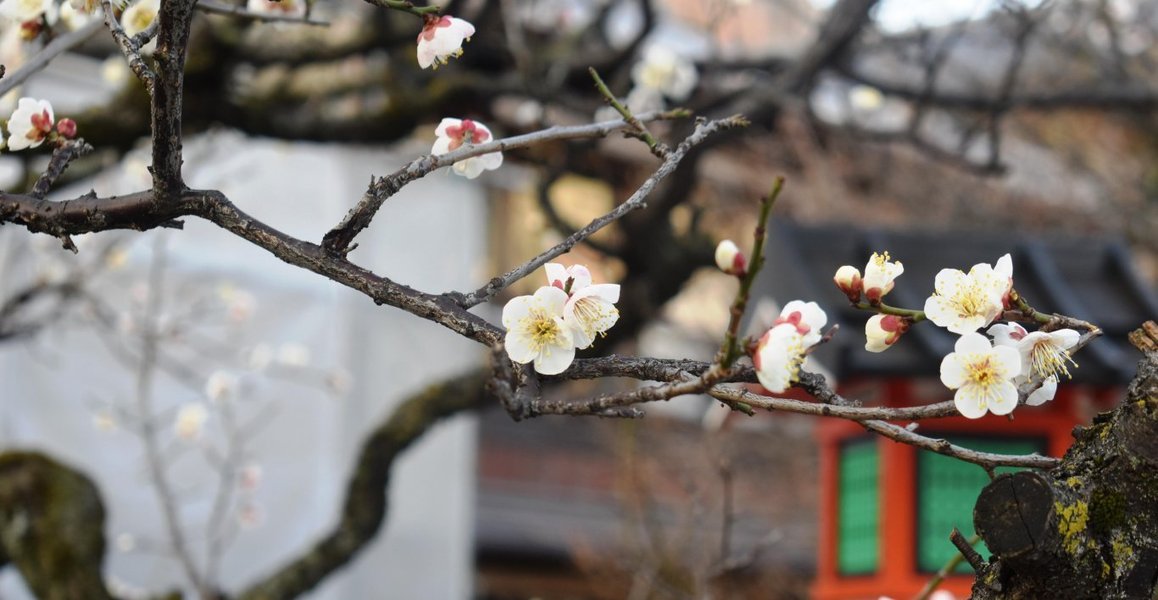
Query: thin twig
[337,240]
[37,62]
[945,571]
[218,8]
[703,131]
[129,48]
[730,350]
[658,149]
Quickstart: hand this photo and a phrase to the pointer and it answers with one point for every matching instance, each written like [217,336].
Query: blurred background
[219,398]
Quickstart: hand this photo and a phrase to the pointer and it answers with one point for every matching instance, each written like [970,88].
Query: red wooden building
[886,508]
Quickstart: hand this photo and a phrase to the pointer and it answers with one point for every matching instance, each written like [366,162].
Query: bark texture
[1089,528]
[51,527]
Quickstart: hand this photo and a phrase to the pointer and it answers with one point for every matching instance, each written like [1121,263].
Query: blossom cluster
[565,315]
[984,373]
[33,122]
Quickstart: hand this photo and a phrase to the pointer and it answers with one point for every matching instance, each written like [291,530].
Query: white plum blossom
[730,259]
[286,8]
[536,331]
[778,357]
[965,303]
[28,11]
[848,279]
[781,351]
[590,308]
[29,124]
[879,274]
[138,17]
[666,72]
[807,317]
[981,373]
[441,39]
[221,385]
[190,421]
[249,477]
[1042,354]
[452,134]
[882,331]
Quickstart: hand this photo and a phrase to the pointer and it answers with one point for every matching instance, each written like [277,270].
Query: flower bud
[848,279]
[730,260]
[882,331]
[66,128]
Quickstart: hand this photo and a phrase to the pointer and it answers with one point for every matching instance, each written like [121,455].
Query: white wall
[430,236]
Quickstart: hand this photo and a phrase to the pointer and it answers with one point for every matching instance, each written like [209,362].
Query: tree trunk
[1089,528]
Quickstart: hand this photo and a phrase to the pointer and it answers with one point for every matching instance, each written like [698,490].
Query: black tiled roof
[1085,277]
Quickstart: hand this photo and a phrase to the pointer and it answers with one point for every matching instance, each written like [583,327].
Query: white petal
[552,299]
[968,403]
[608,292]
[1008,361]
[940,311]
[469,168]
[556,274]
[519,347]
[1043,394]
[1003,334]
[517,309]
[948,281]
[973,343]
[441,145]
[555,359]
[1004,267]
[582,276]
[953,371]
[1064,338]
[1003,399]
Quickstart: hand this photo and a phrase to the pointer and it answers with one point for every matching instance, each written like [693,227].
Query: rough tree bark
[1089,528]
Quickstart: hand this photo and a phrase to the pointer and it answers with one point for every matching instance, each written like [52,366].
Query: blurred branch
[364,509]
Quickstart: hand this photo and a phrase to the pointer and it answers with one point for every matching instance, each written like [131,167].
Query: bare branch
[37,62]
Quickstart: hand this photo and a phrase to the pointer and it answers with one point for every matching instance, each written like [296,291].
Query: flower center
[141,19]
[41,125]
[982,372]
[969,300]
[1046,359]
[880,259]
[542,329]
[466,132]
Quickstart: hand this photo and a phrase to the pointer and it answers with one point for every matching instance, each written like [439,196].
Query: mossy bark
[51,527]
[1089,528]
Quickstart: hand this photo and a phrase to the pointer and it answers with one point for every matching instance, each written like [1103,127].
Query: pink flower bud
[849,281]
[730,260]
[66,128]
[882,331]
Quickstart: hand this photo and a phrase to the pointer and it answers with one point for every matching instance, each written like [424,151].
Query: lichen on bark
[1089,528]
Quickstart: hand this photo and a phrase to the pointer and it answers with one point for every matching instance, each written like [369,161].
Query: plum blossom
[28,13]
[441,39]
[849,281]
[293,354]
[981,374]
[190,421]
[730,259]
[286,8]
[965,303]
[138,17]
[882,331]
[452,134]
[879,274]
[781,351]
[590,308]
[666,72]
[1042,354]
[807,317]
[536,331]
[29,124]
[221,385]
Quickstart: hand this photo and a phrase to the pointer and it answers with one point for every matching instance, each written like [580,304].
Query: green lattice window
[858,520]
[947,489]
